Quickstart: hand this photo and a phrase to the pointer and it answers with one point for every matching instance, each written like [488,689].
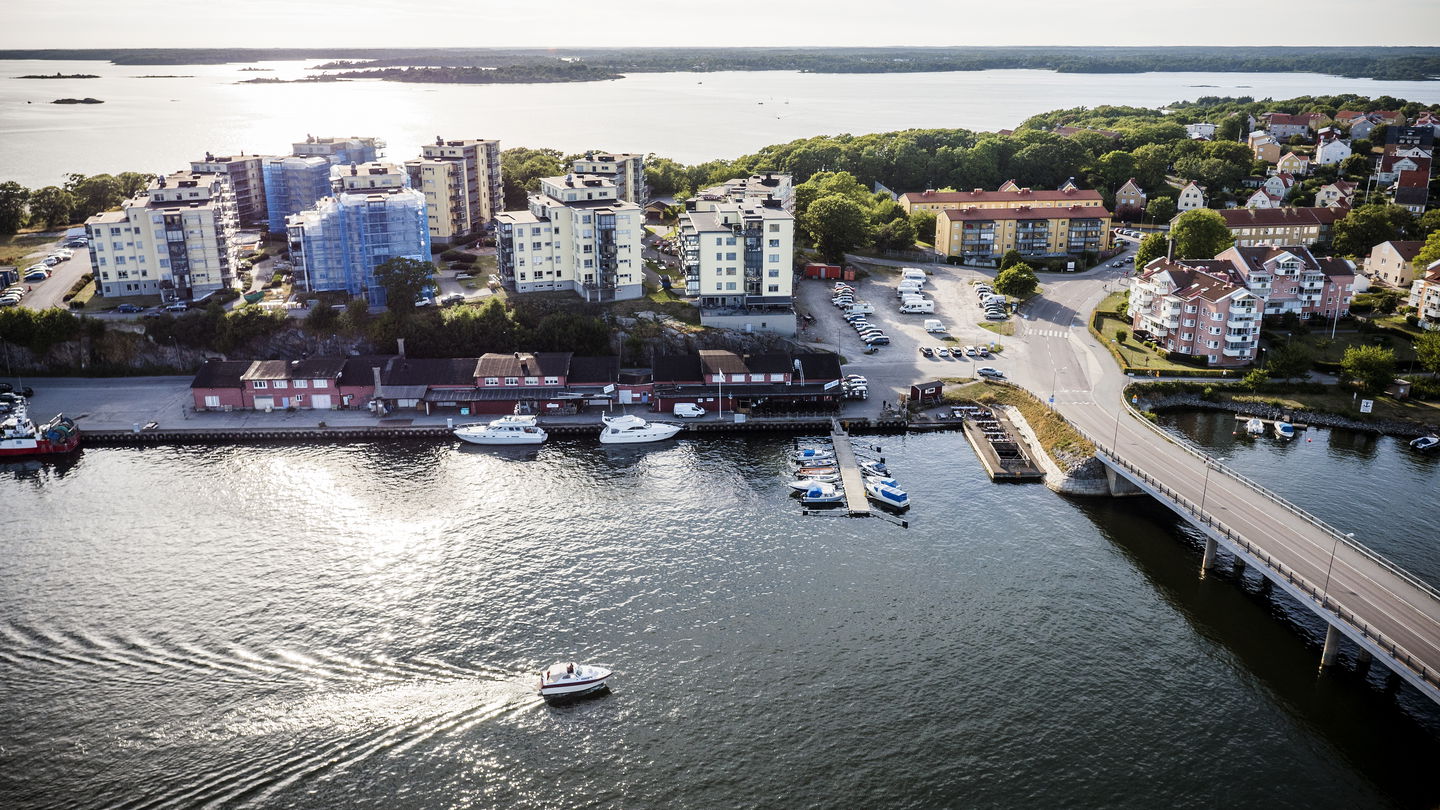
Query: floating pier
[855,500]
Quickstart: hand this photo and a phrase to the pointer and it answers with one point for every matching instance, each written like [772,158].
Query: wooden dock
[850,477]
[993,438]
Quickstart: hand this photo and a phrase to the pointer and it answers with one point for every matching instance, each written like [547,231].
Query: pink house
[1291,279]
[1200,308]
[217,386]
[313,383]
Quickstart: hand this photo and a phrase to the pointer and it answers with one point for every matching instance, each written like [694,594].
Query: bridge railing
[1335,534]
[1299,582]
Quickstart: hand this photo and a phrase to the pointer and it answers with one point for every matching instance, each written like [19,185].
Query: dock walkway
[850,476]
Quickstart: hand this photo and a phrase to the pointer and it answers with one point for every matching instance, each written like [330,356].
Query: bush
[1426,388]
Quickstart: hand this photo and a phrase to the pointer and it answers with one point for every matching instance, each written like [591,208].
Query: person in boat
[570,671]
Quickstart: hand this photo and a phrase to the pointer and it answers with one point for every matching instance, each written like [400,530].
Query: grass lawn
[1398,322]
[15,249]
[669,303]
[1060,440]
[1006,328]
[1325,349]
[1136,356]
[105,304]
[1345,403]
[82,299]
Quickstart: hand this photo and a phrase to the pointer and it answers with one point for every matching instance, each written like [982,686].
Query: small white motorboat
[888,496]
[629,429]
[814,455]
[885,480]
[1426,443]
[1284,430]
[1255,426]
[562,681]
[815,472]
[822,493]
[804,484]
[511,429]
[869,467]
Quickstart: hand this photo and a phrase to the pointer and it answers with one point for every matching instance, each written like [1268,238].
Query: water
[160,124]
[359,625]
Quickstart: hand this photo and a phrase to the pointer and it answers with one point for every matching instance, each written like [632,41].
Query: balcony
[1240,323]
[1170,323]
[1238,352]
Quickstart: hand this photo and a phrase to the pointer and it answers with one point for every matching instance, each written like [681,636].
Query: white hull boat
[1254,426]
[804,484]
[873,468]
[506,430]
[812,457]
[634,430]
[888,496]
[883,481]
[1425,443]
[1284,430]
[822,493]
[564,681]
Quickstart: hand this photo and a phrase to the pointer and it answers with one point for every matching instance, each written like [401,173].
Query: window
[774,227]
[1189,321]
[282,384]
[777,378]
[1190,308]
[773,258]
[212,402]
[302,383]
[492,380]
[532,380]
[774,243]
[720,257]
[318,384]
[774,288]
[729,240]
[552,380]
[259,384]
[729,285]
[512,380]
[737,378]
[773,273]
[729,257]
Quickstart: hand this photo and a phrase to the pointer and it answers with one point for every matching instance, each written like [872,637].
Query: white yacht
[630,429]
[505,430]
[572,680]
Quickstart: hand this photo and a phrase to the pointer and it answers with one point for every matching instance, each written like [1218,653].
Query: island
[86,100]
[538,73]
[59,76]
[166,76]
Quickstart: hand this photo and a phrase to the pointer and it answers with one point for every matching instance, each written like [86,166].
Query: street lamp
[1054,379]
[1325,589]
[1210,464]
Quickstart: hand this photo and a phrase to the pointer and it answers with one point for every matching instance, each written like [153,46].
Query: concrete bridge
[1388,613]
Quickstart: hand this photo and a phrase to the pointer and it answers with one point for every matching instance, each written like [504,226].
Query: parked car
[50,261]
[453,298]
[129,308]
[942,352]
[688,410]
[971,351]
[177,306]
[982,351]
[991,373]
[878,340]
[926,351]
[37,275]
[1117,264]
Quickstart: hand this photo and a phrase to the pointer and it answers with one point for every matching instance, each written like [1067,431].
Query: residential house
[1290,278]
[1406,149]
[1428,119]
[1362,128]
[1130,201]
[1339,194]
[576,235]
[1390,263]
[1199,308]
[1283,126]
[1293,164]
[1264,146]
[1331,150]
[1191,196]
[1425,297]
[1278,186]
[1348,117]
[1200,131]
[1280,226]
[1391,117]
[312,383]
[217,385]
[176,240]
[1263,199]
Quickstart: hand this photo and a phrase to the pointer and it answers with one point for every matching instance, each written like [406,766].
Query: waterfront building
[292,185]
[1390,263]
[312,383]
[1197,307]
[737,255]
[1290,279]
[175,240]
[1130,201]
[339,150]
[625,170]
[576,235]
[1280,226]
[1425,297]
[375,217]
[246,174]
[462,186]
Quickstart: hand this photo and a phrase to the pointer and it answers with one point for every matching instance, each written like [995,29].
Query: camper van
[934,326]
[907,286]
[913,274]
[910,307]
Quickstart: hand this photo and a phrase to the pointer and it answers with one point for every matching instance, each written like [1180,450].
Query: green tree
[13,198]
[1017,281]
[1200,234]
[1011,258]
[826,184]
[1355,166]
[521,170]
[836,224]
[1428,223]
[132,183]
[1372,367]
[1112,169]
[403,280]
[357,313]
[886,210]
[1152,247]
[1231,128]
[1427,351]
[1369,225]
[94,194]
[1288,360]
[1256,378]
[897,234]
[924,224]
[1160,209]
[1429,254]
[52,206]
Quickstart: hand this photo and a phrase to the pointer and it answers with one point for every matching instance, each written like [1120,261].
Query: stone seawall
[1086,478]
[1390,427]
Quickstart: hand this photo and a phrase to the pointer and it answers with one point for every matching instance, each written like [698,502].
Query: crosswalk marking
[1048,332]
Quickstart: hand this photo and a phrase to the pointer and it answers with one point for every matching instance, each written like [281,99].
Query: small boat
[873,468]
[812,455]
[822,493]
[629,429]
[889,496]
[885,480]
[1426,443]
[571,680]
[511,429]
[1255,426]
[812,472]
[20,436]
[804,484]
[1284,430]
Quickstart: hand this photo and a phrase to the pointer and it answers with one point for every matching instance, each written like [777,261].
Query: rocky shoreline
[1402,428]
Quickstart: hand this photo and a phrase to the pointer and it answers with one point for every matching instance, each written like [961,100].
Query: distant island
[165,76]
[77,101]
[59,76]
[255,70]
[541,73]
[1388,63]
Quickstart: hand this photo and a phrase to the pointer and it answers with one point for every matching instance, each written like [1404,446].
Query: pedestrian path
[1060,333]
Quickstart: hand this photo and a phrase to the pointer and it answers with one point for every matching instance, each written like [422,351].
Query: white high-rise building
[175,240]
[576,235]
[737,253]
[626,171]
[462,186]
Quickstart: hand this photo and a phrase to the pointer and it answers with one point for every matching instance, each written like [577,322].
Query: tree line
[80,197]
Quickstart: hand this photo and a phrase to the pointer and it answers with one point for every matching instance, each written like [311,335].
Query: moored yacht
[512,429]
[571,680]
[629,429]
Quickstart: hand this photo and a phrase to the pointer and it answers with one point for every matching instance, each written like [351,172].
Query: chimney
[375,373]
[400,342]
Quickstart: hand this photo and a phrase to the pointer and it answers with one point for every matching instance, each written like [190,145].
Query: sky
[540,23]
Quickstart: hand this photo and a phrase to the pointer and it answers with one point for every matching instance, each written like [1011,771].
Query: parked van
[907,286]
[914,274]
[688,410]
[911,307]
[859,308]
[934,326]
[913,297]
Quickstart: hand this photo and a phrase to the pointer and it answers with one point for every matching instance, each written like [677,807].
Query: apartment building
[762,186]
[1280,226]
[292,185]
[577,235]
[1200,308]
[246,175]
[1008,195]
[373,217]
[626,171]
[1425,297]
[1390,262]
[1291,279]
[737,255]
[462,185]
[175,240]
[339,150]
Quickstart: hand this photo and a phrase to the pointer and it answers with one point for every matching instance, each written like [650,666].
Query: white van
[859,308]
[907,286]
[911,307]
[688,410]
[934,326]
[914,274]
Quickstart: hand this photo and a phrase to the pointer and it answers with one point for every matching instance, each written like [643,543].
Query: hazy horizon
[80,24]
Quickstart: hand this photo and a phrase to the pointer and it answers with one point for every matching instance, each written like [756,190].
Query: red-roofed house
[1199,308]
[1283,126]
[1389,262]
[1291,279]
[1339,194]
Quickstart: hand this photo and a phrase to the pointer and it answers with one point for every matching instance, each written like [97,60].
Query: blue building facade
[339,243]
[293,184]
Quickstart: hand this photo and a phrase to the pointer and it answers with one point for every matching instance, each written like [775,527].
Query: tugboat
[566,681]
[19,435]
